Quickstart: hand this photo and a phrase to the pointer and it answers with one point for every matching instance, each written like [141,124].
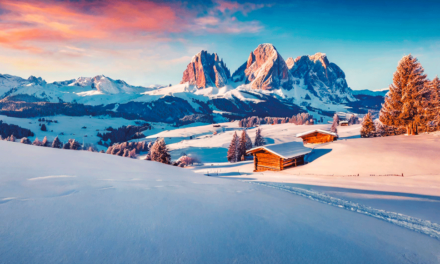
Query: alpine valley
[264,85]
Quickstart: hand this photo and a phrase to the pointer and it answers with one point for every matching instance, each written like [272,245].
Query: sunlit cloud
[30,25]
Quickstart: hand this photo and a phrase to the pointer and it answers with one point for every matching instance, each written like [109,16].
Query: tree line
[299,119]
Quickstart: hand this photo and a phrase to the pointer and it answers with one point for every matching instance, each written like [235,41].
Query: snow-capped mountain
[85,90]
[8,82]
[206,70]
[265,69]
[264,85]
[322,78]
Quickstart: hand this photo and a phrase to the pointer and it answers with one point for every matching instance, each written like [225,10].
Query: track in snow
[416,224]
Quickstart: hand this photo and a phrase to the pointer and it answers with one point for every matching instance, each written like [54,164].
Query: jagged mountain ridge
[312,77]
[264,85]
[321,77]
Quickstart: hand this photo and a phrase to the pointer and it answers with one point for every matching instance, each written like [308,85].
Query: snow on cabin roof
[343,122]
[316,130]
[285,150]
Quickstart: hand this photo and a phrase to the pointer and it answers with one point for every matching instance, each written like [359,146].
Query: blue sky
[149,42]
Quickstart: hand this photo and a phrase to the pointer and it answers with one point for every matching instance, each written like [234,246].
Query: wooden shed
[317,136]
[277,157]
[343,123]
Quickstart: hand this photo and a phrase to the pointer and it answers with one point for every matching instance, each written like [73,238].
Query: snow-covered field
[82,128]
[63,206]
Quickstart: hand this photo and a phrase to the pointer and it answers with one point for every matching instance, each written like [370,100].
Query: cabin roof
[343,122]
[284,150]
[314,131]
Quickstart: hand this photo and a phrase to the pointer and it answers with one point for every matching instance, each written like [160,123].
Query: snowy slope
[92,209]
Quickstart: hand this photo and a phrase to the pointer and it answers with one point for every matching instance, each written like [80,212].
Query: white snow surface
[120,210]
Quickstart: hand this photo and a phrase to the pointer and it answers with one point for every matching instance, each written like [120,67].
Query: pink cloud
[32,25]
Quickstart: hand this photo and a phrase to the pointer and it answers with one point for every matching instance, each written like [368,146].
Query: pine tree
[405,102]
[66,146]
[56,143]
[132,153]
[25,140]
[126,153]
[159,152]
[259,140]
[44,143]
[336,118]
[334,127]
[12,138]
[74,145]
[434,102]
[242,146]
[248,141]
[368,128]
[233,149]
[43,127]
[36,142]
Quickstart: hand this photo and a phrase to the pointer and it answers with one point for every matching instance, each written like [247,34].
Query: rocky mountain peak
[206,70]
[265,69]
[36,80]
[322,78]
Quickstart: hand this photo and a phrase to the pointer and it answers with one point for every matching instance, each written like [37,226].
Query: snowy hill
[82,207]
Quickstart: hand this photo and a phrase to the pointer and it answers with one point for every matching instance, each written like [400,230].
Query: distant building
[343,123]
[317,136]
[277,157]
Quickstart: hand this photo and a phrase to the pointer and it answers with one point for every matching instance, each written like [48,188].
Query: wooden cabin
[277,157]
[317,136]
[343,123]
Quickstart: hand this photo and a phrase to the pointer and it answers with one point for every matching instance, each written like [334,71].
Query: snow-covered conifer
[368,129]
[334,127]
[404,104]
[74,145]
[248,141]
[242,146]
[57,143]
[43,127]
[259,140]
[66,146]
[159,152]
[336,119]
[132,153]
[44,143]
[233,152]
[25,140]
[36,142]
[434,103]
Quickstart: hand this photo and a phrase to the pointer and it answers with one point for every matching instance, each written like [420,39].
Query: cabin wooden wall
[316,138]
[264,160]
[267,161]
